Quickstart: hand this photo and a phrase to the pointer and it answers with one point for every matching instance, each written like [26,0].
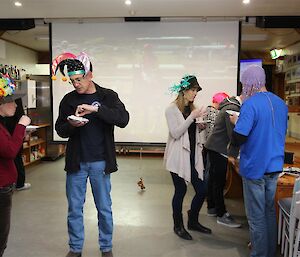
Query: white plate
[203,121]
[76,118]
[31,127]
[231,112]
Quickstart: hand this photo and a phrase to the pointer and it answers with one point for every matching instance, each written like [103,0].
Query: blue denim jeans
[259,198]
[76,191]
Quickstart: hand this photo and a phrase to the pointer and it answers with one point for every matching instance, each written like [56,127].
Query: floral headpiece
[7,85]
[187,82]
[79,64]
[252,79]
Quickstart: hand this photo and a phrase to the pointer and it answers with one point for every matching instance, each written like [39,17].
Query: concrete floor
[142,219]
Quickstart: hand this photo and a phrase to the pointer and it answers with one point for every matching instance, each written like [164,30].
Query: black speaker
[16,24]
[289,157]
[142,18]
[278,21]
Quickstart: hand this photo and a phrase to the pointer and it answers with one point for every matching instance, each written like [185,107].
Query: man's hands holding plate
[77,121]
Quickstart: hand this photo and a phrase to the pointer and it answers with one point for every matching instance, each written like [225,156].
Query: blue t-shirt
[263,119]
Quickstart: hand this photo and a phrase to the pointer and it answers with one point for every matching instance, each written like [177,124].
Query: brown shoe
[107,254]
[72,254]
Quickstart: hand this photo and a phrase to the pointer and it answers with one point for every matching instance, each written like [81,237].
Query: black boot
[193,224]
[179,229]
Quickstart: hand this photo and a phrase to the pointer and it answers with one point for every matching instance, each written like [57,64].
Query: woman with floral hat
[10,146]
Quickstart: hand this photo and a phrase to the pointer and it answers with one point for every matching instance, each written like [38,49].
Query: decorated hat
[8,91]
[75,64]
[219,97]
[187,82]
[252,79]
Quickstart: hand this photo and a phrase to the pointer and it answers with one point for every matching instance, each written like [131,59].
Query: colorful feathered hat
[75,64]
[187,82]
[8,91]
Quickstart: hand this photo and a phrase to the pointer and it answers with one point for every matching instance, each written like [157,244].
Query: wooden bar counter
[234,188]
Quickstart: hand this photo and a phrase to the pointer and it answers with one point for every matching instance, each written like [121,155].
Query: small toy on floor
[140,183]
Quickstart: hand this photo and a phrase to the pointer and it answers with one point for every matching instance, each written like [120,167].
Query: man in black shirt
[90,150]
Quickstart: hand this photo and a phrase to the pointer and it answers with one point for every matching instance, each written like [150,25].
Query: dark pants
[21,170]
[180,191]
[5,212]
[216,182]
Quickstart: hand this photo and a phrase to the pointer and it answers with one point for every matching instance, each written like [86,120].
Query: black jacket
[111,112]
[221,135]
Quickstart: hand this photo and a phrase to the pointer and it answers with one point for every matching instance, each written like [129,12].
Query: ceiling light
[128,2]
[132,12]
[246,1]
[18,4]
[276,53]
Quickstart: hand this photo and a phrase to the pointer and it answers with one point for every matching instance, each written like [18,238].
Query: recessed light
[132,12]
[18,4]
[128,2]
[246,1]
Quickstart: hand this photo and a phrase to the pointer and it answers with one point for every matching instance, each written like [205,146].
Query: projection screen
[141,60]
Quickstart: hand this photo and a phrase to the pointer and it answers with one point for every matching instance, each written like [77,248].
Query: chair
[296,251]
[286,221]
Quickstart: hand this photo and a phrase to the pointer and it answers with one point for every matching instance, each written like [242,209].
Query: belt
[7,188]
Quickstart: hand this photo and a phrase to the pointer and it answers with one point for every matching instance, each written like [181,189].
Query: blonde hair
[179,101]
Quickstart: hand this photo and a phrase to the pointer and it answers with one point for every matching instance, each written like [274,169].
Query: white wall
[294,118]
[294,125]
[21,57]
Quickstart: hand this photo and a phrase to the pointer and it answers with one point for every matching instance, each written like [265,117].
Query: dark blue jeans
[180,191]
[216,182]
[5,213]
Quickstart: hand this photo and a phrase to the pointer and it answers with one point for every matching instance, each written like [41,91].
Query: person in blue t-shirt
[260,132]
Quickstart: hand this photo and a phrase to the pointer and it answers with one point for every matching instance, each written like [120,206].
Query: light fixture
[246,1]
[132,12]
[276,53]
[18,4]
[128,2]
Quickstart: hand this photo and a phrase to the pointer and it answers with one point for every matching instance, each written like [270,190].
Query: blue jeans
[76,191]
[259,198]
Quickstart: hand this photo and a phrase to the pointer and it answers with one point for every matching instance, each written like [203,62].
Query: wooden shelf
[294,108]
[34,161]
[34,147]
[292,82]
[37,142]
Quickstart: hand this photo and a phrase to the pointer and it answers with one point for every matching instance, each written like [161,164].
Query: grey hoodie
[220,137]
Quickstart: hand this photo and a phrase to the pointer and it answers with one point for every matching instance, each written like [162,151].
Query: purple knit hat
[253,79]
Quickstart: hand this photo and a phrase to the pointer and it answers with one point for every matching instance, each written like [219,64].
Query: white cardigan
[177,152]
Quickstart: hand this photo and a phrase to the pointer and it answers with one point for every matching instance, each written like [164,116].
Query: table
[285,185]
[234,187]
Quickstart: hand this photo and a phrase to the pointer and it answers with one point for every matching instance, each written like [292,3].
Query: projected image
[140,61]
